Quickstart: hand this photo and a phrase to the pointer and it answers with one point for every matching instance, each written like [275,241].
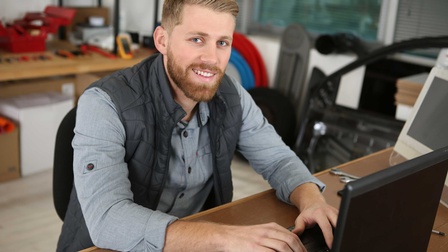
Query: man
[154,143]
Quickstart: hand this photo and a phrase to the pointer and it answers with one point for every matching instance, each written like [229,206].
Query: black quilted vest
[149,114]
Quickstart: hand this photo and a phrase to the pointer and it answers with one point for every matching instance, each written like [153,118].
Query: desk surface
[241,212]
[56,66]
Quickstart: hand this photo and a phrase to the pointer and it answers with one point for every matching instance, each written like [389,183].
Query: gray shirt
[115,221]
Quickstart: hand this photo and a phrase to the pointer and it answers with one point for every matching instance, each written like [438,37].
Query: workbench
[22,66]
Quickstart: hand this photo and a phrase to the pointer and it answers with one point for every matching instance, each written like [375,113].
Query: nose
[210,54]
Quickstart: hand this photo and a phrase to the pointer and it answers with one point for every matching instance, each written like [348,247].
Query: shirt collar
[204,113]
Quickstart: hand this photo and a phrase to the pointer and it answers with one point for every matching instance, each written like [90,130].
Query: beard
[196,91]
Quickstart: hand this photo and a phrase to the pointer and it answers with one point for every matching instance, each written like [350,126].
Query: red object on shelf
[30,33]
[86,48]
[16,39]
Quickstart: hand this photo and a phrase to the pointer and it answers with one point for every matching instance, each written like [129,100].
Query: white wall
[13,9]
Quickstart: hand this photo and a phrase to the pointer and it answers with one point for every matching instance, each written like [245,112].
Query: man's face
[198,51]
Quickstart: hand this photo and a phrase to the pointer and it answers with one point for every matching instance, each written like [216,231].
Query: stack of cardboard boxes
[36,107]
[408,89]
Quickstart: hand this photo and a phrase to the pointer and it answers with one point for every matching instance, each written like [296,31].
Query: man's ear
[160,39]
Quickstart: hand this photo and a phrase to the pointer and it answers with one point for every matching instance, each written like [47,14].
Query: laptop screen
[393,209]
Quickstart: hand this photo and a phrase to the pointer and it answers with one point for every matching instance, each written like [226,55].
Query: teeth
[205,74]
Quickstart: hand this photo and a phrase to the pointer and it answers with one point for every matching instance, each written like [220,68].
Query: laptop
[391,210]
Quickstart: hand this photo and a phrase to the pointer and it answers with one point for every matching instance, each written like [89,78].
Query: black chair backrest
[63,164]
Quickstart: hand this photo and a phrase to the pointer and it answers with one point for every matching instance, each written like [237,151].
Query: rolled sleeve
[156,239]
[289,177]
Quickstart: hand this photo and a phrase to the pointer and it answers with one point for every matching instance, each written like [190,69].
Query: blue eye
[223,43]
[196,40]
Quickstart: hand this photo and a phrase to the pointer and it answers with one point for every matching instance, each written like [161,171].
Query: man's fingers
[325,217]
[328,230]
[300,226]
[280,239]
[334,217]
[276,245]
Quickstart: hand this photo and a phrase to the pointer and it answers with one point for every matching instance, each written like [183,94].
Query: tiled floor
[28,221]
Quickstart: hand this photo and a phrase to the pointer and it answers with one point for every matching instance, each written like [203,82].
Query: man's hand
[265,237]
[205,236]
[313,210]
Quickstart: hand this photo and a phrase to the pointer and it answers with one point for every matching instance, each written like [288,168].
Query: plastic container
[19,44]
[30,33]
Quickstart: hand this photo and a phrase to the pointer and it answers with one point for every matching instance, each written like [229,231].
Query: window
[384,21]
[359,17]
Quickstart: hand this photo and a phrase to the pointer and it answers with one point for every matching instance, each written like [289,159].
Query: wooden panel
[259,208]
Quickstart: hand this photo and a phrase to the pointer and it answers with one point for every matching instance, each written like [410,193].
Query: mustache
[206,67]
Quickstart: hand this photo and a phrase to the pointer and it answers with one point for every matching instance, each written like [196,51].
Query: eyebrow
[203,34]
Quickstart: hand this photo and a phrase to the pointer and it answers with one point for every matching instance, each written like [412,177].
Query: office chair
[290,75]
[282,103]
[63,164]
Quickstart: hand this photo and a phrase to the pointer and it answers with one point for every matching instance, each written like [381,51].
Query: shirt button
[181,195]
[90,166]
[189,170]
[185,133]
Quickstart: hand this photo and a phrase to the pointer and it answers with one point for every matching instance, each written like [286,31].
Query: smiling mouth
[203,73]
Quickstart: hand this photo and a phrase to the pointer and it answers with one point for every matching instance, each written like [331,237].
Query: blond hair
[172,10]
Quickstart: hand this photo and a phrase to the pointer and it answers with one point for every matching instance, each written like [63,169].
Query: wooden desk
[58,66]
[265,207]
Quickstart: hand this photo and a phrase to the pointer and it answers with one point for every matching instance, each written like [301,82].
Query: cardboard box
[38,116]
[82,16]
[413,83]
[9,156]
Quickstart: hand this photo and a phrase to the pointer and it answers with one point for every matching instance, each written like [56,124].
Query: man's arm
[313,210]
[286,173]
[113,219]
[206,236]
[268,154]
